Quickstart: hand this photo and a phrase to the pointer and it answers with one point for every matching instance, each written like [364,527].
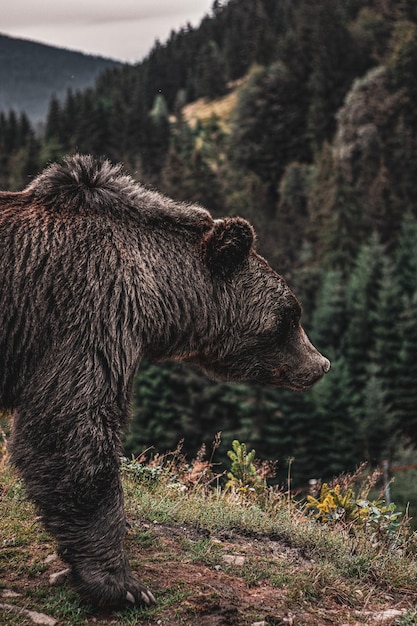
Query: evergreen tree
[241,36]
[25,131]
[406,259]
[329,319]
[334,64]
[386,320]
[30,158]
[291,220]
[174,176]
[210,80]
[332,442]
[362,298]
[203,184]
[10,138]
[378,424]
[69,120]
[384,368]
[4,154]
[269,127]
[345,229]
[289,418]
[193,162]
[156,138]
[129,119]
[406,396]
[172,403]
[53,120]
[406,277]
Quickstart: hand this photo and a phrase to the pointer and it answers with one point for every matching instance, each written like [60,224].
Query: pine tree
[11,133]
[346,228]
[210,78]
[406,258]
[334,64]
[330,319]
[362,300]
[269,129]
[290,417]
[406,277]
[384,368]
[53,120]
[378,423]
[173,403]
[332,442]
[156,138]
[291,220]
[406,396]
[386,320]
[362,296]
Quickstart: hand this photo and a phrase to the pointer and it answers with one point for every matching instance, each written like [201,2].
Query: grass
[222,108]
[181,533]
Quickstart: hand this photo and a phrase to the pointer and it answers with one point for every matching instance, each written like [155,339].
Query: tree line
[320,154]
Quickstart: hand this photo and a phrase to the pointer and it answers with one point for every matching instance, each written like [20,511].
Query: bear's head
[259,334]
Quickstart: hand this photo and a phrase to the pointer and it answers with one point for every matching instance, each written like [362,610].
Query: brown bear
[96,273]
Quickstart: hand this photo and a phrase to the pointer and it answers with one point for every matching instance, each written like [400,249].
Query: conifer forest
[319,152]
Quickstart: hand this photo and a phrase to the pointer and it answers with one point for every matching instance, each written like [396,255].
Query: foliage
[184,539]
[243,476]
[173,468]
[375,517]
[268,128]
[144,473]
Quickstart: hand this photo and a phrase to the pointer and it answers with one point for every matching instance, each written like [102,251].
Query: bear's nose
[326,365]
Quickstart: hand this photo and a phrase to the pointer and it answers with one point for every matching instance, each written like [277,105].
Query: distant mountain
[30,73]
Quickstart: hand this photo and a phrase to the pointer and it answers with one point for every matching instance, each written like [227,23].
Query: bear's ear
[228,245]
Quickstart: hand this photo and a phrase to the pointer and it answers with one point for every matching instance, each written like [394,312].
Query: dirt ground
[217,581]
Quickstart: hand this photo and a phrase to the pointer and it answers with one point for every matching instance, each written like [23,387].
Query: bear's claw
[146,597]
[130,598]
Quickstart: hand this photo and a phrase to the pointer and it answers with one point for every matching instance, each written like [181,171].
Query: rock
[50,558]
[382,616]
[233,559]
[8,593]
[59,577]
[34,616]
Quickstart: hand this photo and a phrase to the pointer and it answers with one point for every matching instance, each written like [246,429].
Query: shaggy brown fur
[97,273]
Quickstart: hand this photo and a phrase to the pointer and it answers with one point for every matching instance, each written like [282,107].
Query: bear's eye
[285,327]
[294,323]
[288,325]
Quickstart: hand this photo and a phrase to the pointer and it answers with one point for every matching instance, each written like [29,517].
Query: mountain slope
[212,559]
[30,73]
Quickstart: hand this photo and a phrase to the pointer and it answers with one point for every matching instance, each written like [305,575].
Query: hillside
[215,558]
[30,73]
[317,149]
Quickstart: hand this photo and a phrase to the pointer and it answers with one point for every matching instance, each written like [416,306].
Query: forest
[320,154]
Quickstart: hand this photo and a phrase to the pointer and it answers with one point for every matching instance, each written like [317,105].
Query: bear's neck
[185,318]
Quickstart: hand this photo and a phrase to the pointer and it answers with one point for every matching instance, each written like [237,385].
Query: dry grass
[214,558]
[221,108]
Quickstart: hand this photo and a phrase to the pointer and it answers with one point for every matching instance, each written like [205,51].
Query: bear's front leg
[70,467]
[102,573]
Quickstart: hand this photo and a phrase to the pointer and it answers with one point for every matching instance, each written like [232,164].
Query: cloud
[125,29]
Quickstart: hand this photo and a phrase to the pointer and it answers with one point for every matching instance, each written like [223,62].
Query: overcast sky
[121,29]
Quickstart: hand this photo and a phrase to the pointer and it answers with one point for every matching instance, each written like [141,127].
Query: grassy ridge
[214,556]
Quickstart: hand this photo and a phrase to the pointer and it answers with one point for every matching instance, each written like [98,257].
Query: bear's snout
[308,364]
[326,365]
